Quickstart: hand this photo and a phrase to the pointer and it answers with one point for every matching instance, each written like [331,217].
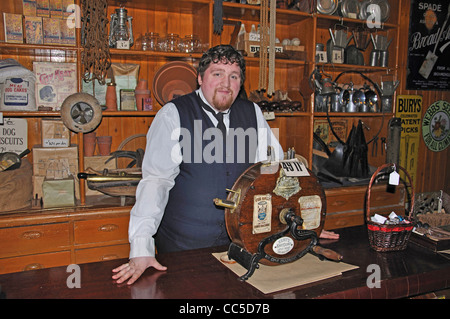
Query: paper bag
[58,192]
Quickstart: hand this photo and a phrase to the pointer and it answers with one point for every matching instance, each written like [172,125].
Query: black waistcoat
[191,220]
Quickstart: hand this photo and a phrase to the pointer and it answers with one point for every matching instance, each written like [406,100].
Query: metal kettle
[325,86]
[346,98]
[322,83]
[371,99]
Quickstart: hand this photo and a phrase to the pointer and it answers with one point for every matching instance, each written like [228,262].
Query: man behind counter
[182,174]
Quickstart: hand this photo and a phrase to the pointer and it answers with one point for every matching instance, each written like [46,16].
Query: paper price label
[321,56]
[124,45]
[337,56]
[394,178]
[293,167]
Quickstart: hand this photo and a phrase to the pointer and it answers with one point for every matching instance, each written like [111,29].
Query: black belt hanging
[218,17]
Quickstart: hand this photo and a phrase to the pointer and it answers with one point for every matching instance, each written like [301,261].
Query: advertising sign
[429,45]
[409,109]
[436,126]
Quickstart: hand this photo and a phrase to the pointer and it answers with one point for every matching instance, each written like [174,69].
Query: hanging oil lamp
[121,35]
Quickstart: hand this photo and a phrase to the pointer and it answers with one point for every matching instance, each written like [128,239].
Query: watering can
[380,42]
[339,38]
[379,55]
[387,88]
[361,39]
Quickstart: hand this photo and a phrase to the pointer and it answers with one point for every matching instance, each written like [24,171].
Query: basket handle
[372,179]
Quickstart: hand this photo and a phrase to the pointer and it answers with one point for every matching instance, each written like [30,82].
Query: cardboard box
[246,42]
[55,81]
[12,25]
[54,134]
[33,30]
[252,47]
[38,181]
[54,163]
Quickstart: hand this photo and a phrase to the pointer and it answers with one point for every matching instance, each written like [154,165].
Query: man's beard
[223,104]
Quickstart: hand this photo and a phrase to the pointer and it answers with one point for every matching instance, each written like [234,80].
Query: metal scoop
[10,160]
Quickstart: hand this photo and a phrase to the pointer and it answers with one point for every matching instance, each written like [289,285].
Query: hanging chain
[95,56]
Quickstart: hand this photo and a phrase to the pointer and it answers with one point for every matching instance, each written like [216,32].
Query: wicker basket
[388,237]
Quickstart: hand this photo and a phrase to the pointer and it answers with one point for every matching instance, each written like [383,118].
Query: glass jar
[171,43]
[150,41]
[191,44]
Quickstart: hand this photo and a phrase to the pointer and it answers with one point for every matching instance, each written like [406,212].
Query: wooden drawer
[101,230]
[101,253]
[353,198]
[17,241]
[31,262]
[346,205]
[341,220]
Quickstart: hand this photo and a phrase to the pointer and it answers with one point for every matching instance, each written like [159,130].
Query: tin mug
[384,58]
[374,58]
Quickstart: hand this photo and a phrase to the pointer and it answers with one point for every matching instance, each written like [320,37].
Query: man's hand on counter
[134,269]
[325,234]
[136,266]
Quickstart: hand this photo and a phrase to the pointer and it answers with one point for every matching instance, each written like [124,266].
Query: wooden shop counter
[196,274]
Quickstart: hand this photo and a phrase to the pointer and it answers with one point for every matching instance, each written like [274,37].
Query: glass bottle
[253,35]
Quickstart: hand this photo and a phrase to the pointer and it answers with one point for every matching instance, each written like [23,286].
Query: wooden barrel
[263,195]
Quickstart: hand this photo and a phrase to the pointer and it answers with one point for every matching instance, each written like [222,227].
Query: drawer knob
[338,203]
[109,257]
[108,227]
[33,266]
[32,234]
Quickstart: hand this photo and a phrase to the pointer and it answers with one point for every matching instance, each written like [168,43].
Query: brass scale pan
[273,218]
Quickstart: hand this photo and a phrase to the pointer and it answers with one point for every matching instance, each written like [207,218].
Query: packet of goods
[392,219]
[5,164]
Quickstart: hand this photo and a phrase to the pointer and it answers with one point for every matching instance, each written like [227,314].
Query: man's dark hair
[222,53]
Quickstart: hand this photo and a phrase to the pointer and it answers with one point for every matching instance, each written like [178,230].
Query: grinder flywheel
[274,214]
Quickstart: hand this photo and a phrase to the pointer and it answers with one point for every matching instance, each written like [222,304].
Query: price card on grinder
[292,167]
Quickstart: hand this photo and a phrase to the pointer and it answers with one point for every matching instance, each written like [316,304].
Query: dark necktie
[218,116]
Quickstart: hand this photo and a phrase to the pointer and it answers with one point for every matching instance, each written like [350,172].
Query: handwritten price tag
[293,167]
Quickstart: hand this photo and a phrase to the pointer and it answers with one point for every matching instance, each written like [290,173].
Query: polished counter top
[196,274]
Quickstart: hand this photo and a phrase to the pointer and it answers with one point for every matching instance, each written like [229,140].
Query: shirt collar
[200,94]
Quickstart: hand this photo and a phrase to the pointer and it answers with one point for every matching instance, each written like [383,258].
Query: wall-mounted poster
[409,110]
[436,126]
[429,45]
